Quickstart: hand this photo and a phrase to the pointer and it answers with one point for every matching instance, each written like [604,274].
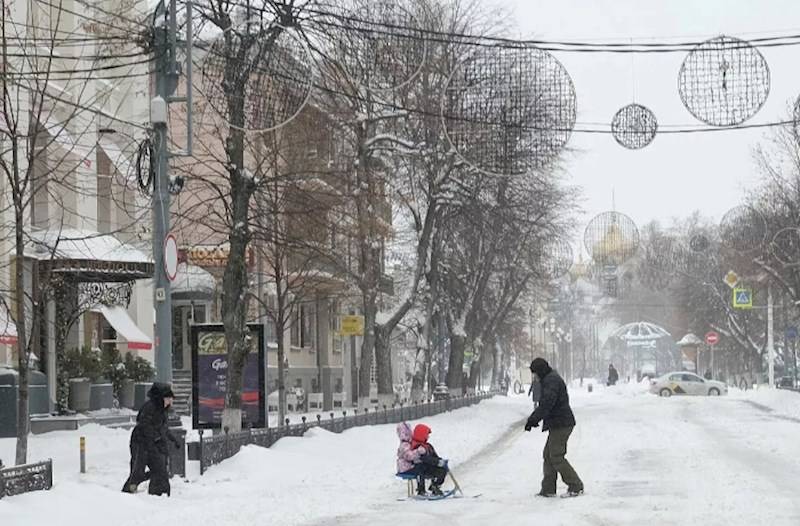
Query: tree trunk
[383,365]
[367,349]
[497,364]
[280,326]
[474,374]
[455,363]
[23,422]
[420,373]
[235,296]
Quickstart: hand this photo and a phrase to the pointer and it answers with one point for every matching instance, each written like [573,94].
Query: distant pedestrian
[535,390]
[149,443]
[555,412]
[707,374]
[613,375]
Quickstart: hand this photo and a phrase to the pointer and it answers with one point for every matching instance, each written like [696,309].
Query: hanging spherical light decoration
[634,126]
[743,229]
[509,111]
[611,239]
[257,78]
[724,81]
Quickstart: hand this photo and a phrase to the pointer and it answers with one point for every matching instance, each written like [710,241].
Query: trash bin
[101,396]
[126,394]
[80,390]
[140,394]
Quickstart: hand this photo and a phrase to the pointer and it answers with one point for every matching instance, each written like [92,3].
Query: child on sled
[416,455]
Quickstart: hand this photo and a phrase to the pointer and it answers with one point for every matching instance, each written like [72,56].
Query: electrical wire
[403,31]
[145,166]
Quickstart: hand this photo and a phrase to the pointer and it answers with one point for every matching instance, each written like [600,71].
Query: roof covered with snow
[72,243]
[193,281]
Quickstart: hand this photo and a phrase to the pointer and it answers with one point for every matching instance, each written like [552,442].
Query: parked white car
[685,383]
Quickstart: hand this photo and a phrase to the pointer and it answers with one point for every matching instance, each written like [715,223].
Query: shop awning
[8,329]
[88,255]
[126,329]
[193,283]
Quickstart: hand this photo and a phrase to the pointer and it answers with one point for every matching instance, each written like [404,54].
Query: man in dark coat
[613,375]
[558,419]
[149,443]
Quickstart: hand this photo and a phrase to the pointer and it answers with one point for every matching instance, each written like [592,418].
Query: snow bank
[296,481]
[781,401]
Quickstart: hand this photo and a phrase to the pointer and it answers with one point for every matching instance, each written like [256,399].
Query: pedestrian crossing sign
[742,299]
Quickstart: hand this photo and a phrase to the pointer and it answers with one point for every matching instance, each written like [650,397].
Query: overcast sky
[675,174]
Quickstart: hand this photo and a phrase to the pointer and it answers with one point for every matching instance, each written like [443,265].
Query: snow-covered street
[711,461]
[676,461]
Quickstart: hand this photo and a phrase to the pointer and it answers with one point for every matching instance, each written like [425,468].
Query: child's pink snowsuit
[406,456]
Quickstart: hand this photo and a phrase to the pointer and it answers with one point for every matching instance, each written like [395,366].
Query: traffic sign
[712,338]
[791,333]
[352,326]
[742,299]
[731,279]
[171,257]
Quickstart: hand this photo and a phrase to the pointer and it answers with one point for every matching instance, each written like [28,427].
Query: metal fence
[215,449]
[27,477]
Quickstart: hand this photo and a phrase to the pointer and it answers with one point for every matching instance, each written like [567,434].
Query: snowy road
[645,460]
[711,461]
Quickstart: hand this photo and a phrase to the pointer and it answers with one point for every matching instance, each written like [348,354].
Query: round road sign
[171,257]
[712,338]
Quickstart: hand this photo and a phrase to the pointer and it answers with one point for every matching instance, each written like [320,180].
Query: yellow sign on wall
[352,326]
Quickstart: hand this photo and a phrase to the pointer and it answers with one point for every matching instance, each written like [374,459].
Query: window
[339,386]
[304,323]
[270,333]
[335,323]
[691,378]
[198,313]
[315,385]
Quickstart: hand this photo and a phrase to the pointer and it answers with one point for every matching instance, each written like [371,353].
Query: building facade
[86,224]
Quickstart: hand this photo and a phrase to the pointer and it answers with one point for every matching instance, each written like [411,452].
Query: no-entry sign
[712,338]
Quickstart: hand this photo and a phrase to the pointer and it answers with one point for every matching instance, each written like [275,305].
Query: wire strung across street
[386,28]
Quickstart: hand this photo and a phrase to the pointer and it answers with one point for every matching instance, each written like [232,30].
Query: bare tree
[247,33]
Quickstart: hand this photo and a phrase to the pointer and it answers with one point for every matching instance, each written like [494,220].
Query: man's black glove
[530,424]
[174,441]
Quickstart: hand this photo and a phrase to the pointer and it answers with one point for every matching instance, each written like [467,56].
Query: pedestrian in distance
[149,443]
[613,375]
[535,390]
[559,421]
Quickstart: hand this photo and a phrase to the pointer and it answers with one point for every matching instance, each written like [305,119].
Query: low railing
[26,477]
[213,450]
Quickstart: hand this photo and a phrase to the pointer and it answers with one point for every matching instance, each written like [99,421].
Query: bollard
[83,454]
[590,388]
